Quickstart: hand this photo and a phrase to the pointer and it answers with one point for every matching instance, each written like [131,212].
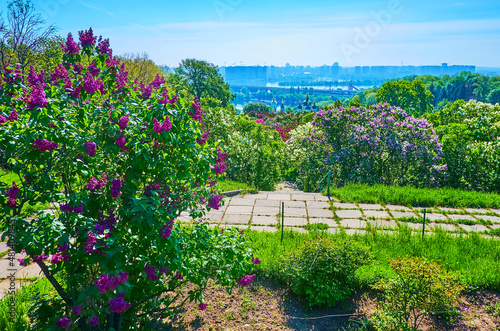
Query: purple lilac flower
[44,145]
[214,201]
[123,122]
[104,48]
[121,78]
[255,260]
[37,98]
[198,113]
[62,248]
[122,277]
[92,184]
[13,116]
[165,126]
[94,320]
[21,262]
[145,91]
[112,61]
[179,276]
[86,37]
[246,280]
[71,46]
[220,168]
[166,231]
[202,306]
[260,121]
[117,305]
[107,282]
[2,119]
[91,241]
[158,81]
[64,323]
[60,72]
[163,271]
[165,99]
[92,68]
[12,191]
[120,141]
[40,258]
[203,138]
[151,273]
[115,188]
[77,310]
[58,257]
[91,85]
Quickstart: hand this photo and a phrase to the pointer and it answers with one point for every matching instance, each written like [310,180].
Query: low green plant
[316,226]
[323,271]
[421,287]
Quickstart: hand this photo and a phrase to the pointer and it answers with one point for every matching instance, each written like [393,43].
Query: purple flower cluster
[165,126]
[203,138]
[12,195]
[151,273]
[71,46]
[166,230]
[90,147]
[94,320]
[123,122]
[165,98]
[91,85]
[107,282]
[198,113]
[36,98]
[75,209]
[92,69]
[255,260]
[120,141]
[202,306]
[60,72]
[95,184]
[64,323]
[121,78]
[145,91]
[116,185]
[214,201]
[104,48]
[13,116]
[44,145]
[40,258]
[117,305]
[77,310]
[86,37]
[58,257]
[220,166]
[34,79]
[105,222]
[157,81]
[246,280]
[91,241]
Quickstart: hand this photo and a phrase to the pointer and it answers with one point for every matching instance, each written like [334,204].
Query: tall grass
[475,259]
[411,196]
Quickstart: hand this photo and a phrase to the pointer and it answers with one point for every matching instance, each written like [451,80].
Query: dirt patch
[267,305]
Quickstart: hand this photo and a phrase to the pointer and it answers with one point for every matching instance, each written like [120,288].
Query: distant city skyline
[321,32]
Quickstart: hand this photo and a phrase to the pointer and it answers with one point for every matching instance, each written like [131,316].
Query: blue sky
[314,32]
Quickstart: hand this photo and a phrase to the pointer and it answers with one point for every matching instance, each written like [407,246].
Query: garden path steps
[303,212]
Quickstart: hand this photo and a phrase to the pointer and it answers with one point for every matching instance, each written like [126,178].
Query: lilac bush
[378,144]
[118,162]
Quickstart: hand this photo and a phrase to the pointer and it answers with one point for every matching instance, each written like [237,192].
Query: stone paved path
[263,212]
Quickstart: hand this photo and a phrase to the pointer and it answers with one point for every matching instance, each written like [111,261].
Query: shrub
[323,271]
[421,287]
[120,161]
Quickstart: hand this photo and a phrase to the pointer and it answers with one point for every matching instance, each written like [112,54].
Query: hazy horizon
[242,32]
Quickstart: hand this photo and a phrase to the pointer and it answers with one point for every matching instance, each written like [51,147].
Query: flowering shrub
[374,144]
[469,132]
[118,162]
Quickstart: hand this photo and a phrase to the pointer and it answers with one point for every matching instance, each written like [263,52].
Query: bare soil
[267,305]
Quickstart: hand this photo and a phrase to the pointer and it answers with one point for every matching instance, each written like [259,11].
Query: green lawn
[417,197]
[230,185]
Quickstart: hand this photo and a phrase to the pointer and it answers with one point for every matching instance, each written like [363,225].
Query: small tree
[413,97]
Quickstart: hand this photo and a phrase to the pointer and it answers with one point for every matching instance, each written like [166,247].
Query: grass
[416,197]
[475,259]
[230,185]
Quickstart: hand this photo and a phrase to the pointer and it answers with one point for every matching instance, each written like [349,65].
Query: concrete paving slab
[281,197]
[376,213]
[383,223]
[495,226]
[295,221]
[259,196]
[449,210]
[474,228]
[264,228]
[477,210]
[7,267]
[31,271]
[3,246]
[354,231]
[303,197]
[401,214]
[333,230]
[318,204]
[343,205]
[264,220]
[322,198]
[434,217]
[295,204]
[7,285]
[330,222]
[239,210]
[266,211]
[397,207]
[461,217]
[235,219]
[353,223]
[184,219]
[214,217]
[267,203]
[323,213]
[496,211]
[241,202]
[295,212]
[348,213]
[415,226]
[444,226]
[493,219]
[370,206]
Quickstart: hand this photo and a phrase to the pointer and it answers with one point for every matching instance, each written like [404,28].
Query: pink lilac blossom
[58,257]
[165,126]
[157,81]
[107,282]
[86,37]
[36,98]
[21,262]
[71,46]
[203,138]
[2,119]
[198,113]
[120,141]
[123,122]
